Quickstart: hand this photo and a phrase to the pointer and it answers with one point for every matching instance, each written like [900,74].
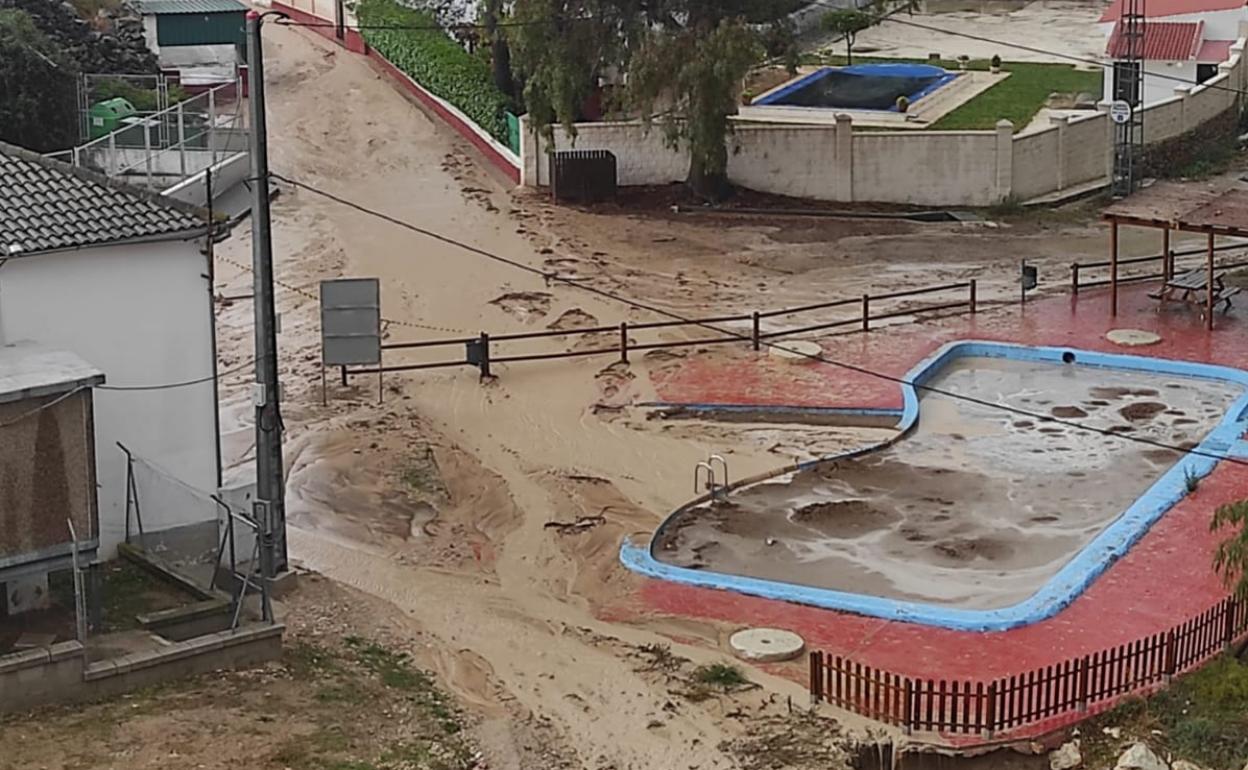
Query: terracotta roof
[1157,8]
[1162,41]
[46,205]
[1214,51]
[1188,207]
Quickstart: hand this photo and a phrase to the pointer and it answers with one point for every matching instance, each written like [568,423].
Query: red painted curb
[355,43]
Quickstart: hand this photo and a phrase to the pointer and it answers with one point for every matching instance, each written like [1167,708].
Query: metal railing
[482,351]
[1078,270]
[177,142]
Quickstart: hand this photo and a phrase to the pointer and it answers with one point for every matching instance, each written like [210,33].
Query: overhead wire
[820,357]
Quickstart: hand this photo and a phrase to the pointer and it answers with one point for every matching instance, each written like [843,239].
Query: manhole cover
[766,645]
[1132,338]
[796,351]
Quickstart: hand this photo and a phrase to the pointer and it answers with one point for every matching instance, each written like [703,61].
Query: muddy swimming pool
[976,507]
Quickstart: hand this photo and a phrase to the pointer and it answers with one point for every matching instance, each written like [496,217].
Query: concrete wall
[939,168]
[934,168]
[61,673]
[141,314]
[225,175]
[824,162]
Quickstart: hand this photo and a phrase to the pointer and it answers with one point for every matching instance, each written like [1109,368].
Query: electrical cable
[182,384]
[820,357]
[42,407]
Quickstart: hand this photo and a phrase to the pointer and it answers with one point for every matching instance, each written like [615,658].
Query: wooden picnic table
[1193,287]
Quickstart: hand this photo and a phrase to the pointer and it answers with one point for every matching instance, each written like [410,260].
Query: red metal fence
[969,706]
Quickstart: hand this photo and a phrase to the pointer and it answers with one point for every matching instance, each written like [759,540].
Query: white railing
[173,144]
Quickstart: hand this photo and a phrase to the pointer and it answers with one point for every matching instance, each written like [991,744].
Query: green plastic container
[105,117]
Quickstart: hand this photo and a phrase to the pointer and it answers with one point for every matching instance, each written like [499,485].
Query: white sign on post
[1119,111]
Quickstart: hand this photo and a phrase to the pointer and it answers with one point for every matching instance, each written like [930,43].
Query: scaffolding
[1129,88]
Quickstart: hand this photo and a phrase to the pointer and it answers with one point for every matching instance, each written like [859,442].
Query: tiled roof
[1214,51]
[168,7]
[1157,8]
[1163,40]
[46,205]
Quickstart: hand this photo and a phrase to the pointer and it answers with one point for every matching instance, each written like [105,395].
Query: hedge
[437,62]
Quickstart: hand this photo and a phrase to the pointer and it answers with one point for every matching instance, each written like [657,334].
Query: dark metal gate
[583,176]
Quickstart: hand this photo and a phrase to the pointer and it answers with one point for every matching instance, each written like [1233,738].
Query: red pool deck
[1164,580]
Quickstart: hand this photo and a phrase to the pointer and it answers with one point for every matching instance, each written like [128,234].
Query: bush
[437,62]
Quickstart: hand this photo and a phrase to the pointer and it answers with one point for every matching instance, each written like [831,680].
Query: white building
[1184,42]
[119,277]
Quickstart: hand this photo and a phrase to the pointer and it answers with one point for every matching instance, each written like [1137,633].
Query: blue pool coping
[1075,576]
[878,70]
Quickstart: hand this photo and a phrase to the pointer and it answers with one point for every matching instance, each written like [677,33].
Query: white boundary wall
[934,168]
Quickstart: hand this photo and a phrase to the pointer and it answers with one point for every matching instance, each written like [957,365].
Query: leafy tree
[38,87]
[1230,560]
[847,22]
[683,59]
[559,48]
[696,69]
[500,54]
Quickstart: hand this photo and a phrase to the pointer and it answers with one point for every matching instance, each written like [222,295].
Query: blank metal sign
[350,321]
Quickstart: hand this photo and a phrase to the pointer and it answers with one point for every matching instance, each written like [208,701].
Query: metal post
[1113,267]
[485,356]
[254,98]
[344,376]
[1167,259]
[866,312]
[1074,278]
[181,141]
[1022,284]
[147,151]
[1209,285]
[974,295]
[113,162]
[755,336]
[212,315]
[270,486]
[623,342]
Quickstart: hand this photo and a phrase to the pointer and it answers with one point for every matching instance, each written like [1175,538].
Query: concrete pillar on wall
[843,174]
[1185,94]
[530,154]
[1005,160]
[1111,137]
[1061,122]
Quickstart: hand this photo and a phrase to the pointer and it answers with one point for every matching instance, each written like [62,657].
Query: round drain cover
[796,351]
[766,645]
[1132,338]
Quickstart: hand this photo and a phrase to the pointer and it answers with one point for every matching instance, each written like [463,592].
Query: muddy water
[976,507]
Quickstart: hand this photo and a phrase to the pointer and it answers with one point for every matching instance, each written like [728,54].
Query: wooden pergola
[1170,207]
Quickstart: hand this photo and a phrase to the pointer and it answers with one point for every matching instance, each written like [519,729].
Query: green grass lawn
[1017,98]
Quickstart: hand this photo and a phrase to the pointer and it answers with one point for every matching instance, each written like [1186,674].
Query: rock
[1112,732]
[1139,757]
[1183,764]
[1067,757]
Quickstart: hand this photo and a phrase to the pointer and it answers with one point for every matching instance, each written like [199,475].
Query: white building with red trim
[1184,42]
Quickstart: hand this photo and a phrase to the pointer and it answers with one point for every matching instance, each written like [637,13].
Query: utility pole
[270,506]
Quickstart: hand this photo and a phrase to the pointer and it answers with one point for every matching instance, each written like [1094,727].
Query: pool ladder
[716,485]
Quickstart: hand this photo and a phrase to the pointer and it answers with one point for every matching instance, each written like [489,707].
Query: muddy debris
[582,524]
[524,305]
[1142,411]
[1068,412]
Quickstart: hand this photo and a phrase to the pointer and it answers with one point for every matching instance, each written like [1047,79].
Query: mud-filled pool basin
[995,505]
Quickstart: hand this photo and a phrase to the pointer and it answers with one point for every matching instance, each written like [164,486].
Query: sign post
[1120,111]
[350,325]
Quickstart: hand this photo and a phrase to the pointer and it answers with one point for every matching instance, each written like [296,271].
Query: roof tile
[46,205]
